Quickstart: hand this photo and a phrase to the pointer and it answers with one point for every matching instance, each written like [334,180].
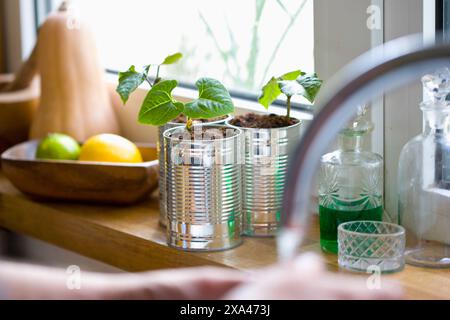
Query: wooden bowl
[16,112]
[98,182]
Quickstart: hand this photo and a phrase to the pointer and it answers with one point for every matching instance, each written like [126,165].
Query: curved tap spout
[380,70]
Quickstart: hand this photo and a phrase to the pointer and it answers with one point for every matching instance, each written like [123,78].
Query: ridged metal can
[266,163]
[162,170]
[204,189]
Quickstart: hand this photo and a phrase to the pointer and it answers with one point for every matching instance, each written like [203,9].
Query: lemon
[57,146]
[110,148]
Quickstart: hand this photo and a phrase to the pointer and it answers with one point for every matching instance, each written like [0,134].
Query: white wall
[341,34]
[402,117]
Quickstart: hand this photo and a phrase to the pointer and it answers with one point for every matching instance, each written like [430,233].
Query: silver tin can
[204,183]
[266,163]
[162,170]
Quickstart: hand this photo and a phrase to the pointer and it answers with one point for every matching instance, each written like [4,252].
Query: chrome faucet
[380,70]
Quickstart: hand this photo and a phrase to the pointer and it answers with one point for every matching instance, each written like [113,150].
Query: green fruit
[58,146]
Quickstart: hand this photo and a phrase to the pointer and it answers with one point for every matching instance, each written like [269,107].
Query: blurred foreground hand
[304,278]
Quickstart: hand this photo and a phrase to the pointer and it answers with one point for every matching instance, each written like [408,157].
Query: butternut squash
[74,95]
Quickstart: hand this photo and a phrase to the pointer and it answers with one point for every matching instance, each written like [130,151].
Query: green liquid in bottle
[330,219]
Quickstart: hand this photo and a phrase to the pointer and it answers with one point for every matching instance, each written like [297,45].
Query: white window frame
[20,31]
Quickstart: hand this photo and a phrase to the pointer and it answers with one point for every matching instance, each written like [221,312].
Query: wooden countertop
[131,239]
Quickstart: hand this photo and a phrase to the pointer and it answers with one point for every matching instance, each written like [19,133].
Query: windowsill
[128,114]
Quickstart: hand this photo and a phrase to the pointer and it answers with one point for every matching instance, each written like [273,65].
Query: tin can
[204,189]
[162,170]
[266,163]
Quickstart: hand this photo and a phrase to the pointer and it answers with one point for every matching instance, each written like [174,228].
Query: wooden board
[130,238]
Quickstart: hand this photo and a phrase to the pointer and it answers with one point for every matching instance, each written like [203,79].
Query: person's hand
[204,283]
[303,278]
[306,278]
[22,281]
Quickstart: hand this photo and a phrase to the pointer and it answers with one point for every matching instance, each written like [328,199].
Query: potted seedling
[203,166]
[269,139]
[129,81]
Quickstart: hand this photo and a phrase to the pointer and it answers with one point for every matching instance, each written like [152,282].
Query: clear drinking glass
[424,179]
[371,246]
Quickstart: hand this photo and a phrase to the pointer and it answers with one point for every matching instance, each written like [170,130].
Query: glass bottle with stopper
[350,182]
[424,179]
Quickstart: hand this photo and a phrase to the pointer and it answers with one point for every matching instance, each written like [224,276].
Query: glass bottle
[350,183]
[424,179]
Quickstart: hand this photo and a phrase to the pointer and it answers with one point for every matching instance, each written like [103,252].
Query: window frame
[41,9]
[439,15]
[20,32]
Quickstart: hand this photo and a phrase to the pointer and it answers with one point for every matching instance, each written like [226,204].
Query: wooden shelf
[130,238]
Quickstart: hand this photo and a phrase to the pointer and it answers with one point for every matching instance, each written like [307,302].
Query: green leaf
[129,81]
[146,70]
[291,88]
[287,84]
[214,100]
[270,93]
[311,84]
[159,107]
[291,75]
[172,58]
[272,90]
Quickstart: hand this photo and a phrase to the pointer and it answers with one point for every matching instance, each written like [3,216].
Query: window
[241,43]
[217,40]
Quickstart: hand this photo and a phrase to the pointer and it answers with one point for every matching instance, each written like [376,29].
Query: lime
[110,148]
[57,146]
